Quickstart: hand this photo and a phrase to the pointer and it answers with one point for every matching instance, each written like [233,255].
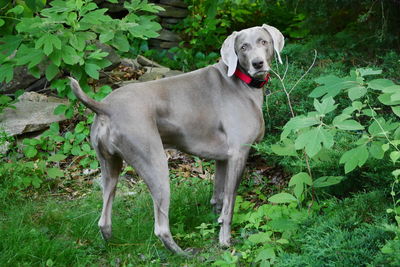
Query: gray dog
[214,113]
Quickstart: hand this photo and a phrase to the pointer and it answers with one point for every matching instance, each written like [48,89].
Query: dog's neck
[253,82]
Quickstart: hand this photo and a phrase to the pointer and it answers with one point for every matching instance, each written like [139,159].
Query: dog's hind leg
[151,163]
[110,169]
[219,183]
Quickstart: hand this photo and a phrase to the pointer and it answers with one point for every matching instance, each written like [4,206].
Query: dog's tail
[97,107]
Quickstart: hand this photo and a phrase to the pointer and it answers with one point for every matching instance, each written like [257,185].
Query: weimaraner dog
[214,112]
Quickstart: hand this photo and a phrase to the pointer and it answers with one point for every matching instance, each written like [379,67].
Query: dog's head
[253,49]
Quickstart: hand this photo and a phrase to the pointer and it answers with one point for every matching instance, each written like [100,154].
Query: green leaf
[325,181]
[92,70]
[385,147]
[79,127]
[354,157]
[327,105]
[333,86]
[285,148]
[57,157]
[396,173]
[297,123]
[300,178]
[311,140]
[60,109]
[357,92]
[55,172]
[282,198]
[17,10]
[395,97]
[106,36]
[396,109]
[9,44]
[98,54]
[348,125]
[69,113]
[69,55]
[120,42]
[380,84]
[76,150]
[94,165]
[387,100]
[48,41]
[298,181]
[29,56]
[376,151]
[265,254]
[6,72]
[380,127]
[260,237]
[368,71]
[56,57]
[340,118]
[2,22]
[5,100]
[394,156]
[86,148]
[35,72]
[78,41]
[30,151]
[51,72]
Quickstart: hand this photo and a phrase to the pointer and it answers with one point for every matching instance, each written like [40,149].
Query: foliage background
[49,215]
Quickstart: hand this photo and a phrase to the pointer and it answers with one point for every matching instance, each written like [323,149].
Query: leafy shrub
[64,37]
[67,36]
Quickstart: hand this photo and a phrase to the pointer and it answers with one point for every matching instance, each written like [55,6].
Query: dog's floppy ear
[278,39]
[228,53]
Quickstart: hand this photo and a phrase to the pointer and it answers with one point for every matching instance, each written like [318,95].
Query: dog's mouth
[260,74]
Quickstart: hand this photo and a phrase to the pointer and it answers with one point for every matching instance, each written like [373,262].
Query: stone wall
[175,12]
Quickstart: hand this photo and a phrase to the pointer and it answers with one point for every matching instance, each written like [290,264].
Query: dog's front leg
[234,171]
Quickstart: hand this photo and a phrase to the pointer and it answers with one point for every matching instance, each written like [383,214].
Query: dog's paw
[106,232]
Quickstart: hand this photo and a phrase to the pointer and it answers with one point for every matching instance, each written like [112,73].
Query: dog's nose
[257,64]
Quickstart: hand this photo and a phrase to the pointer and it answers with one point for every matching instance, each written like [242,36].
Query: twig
[301,78]
[287,93]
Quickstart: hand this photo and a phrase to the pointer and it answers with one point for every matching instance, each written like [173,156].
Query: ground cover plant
[321,189]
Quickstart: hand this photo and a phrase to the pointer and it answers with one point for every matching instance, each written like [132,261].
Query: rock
[168,26]
[176,3]
[4,147]
[168,45]
[21,79]
[156,43]
[171,20]
[151,76]
[169,36]
[132,63]
[125,83]
[162,70]
[33,112]
[173,12]
[145,62]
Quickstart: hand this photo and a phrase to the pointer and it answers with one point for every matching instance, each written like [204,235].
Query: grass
[64,232]
[347,233]
[55,231]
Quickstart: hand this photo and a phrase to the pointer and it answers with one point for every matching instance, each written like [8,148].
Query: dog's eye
[263,42]
[243,47]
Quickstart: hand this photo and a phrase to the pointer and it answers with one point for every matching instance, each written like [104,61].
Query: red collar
[253,82]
